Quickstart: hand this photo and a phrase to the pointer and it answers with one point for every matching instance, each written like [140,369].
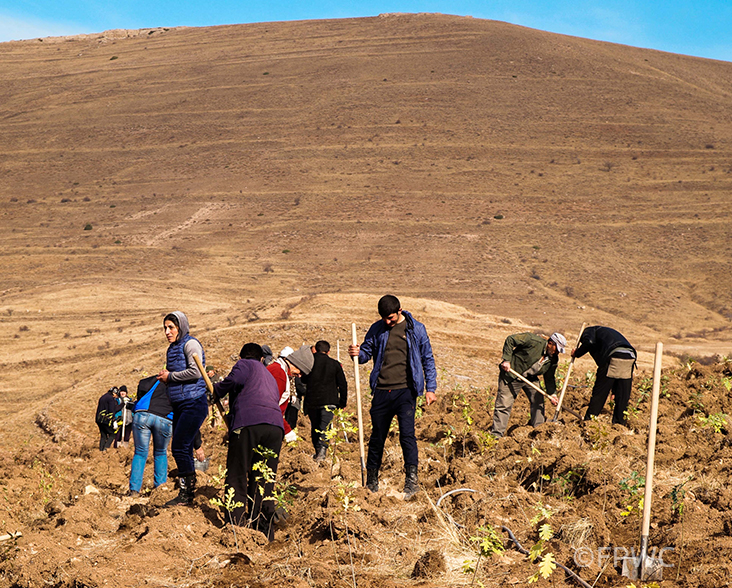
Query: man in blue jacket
[403,368]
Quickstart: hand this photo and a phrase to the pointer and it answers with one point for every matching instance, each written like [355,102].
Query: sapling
[547,563]
[489,542]
[346,503]
[717,421]
[342,421]
[229,505]
[634,485]
[282,494]
[598,434]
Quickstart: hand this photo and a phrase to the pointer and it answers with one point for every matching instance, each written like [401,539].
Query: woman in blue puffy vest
[187,391]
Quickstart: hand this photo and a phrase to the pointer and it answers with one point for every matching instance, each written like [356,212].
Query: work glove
[291,437]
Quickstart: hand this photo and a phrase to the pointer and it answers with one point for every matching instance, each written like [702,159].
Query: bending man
[531,356]
[615,359]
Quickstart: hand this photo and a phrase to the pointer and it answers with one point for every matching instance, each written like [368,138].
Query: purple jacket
[253,395]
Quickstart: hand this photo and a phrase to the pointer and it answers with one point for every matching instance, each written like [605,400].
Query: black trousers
[291,416]
[320,419]
[385,405]
[250,488]
[106,438]
[603,385]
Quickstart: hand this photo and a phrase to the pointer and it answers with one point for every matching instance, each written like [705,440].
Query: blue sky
[691,27]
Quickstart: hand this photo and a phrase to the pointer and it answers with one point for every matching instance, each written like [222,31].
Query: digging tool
[358,409]
[124,418]
[513,372]
[644,567]
[11,536]
[566,378]
[209,387]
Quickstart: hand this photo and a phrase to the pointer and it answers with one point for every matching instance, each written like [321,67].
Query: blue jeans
[145,425]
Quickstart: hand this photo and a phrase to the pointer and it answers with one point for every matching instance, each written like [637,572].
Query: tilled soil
[582,479]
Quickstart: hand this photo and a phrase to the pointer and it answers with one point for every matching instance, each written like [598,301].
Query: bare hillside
[272,181]
[513,171]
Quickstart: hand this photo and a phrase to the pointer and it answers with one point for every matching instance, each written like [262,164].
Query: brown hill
[273,180]
[511,171]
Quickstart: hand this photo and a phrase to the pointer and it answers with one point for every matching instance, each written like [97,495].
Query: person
[125,410]
[615,358]
[255,436]
[268,355]
[326,390]
[531,356]
[403,368]
[289,364]
[293,407]
[106,409]
[187,391]
[153,418]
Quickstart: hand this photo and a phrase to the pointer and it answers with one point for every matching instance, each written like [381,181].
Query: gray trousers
[505,397]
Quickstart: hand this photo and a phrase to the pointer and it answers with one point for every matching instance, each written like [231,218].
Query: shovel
[566,378]
[513,372]
[644,567]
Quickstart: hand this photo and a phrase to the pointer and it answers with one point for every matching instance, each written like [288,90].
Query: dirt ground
[273,181]
[582,479]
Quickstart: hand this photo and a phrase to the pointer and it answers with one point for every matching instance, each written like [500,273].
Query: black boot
[321,453]
[187,490]
[372,480]
[411,485]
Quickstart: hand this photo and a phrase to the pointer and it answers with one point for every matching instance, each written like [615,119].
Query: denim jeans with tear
[144,426]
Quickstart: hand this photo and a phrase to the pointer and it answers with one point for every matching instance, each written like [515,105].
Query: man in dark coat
[615,358]
[106,408]
[326,390]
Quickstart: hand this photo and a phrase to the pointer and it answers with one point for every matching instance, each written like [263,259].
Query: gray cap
[302,359]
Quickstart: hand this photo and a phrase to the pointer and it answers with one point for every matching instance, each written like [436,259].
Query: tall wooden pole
[645,528]
[358,409]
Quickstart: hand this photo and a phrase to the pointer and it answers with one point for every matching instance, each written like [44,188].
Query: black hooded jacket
[600,343]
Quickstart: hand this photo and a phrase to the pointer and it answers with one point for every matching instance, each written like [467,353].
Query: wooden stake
[358,409]
[645,528]
[209,387]
[566,378]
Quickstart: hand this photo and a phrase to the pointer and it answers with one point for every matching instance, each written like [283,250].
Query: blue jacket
[421,364]
[176,362]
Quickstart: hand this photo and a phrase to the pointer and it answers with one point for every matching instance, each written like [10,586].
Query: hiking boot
[411,485]
[321,454]
[186,492]
[267,527]
[372,480]
[280,517]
